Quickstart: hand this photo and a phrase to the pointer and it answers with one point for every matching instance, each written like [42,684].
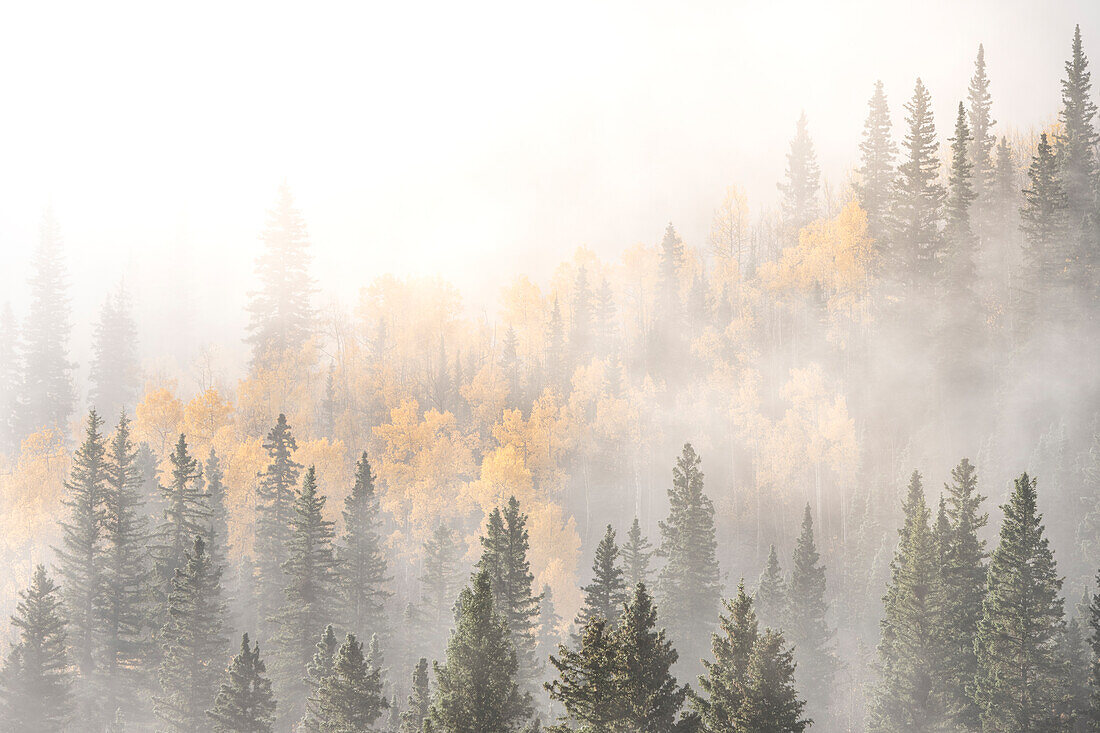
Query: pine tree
[115,371]
[960,261]
[672,262]
[36,680]
[275,509]
[727,675]
[1074,653]
[605,316]
[1005,212]
[980,150]
[350,698]
[588,681]
[311,586]
[127,580]
[186,512]
[876,172]
[1043,221]
[802,180]
[1020,679]
[549,635]
[636,552]
[805,622]
[916,244]
[580,329]
[245,703]
[689,584]
[443,574]
[281,319]
[504,558]
[910,694]
[11,382]
[81,554]
[771,592]
[194,647]
[1076,156]
[605,595]
[556,370]
[420,699]
[48,393]
[216,496]
[477,689]
[319,668]
[771,703]
[364,584]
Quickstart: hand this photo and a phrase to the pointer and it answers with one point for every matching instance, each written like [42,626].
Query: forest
[835,468]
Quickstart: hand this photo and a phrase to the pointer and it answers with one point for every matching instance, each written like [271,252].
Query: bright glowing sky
[466,139]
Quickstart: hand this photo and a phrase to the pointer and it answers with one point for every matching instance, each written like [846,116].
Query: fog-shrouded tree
[364,582]
[114,371]
[317,670]
[186,513]
[878,154]
[605,595]
[549,636]
[1077,161]
[245,702]
[1043,219]
[216,496]
[281,317]
[587,683]
[443,576]
[727,675]
[350,697]
[1094,645]
[980,150]
[801,180]
[36,680]
[771,592]
[419,700]
[637,552]
[771,703]
[275,494]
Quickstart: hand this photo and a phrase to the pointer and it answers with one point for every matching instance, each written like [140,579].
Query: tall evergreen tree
[671,263]
[115,373]
[581,327]
[318,669]
[875,187]
[637,552]
[1076,144]
[771,703]
[605,595]
[186,512]
[805,621]
[350,698]
[11,382]
[549,636]
[689,584]
[194,646]
[281,316]
[443,574]
[311,572]
[1043,221]
[1020,678]
[556,370]
[916,243]
[245,703]
[36,679]
[364,584]
[48,394]
[588,680]
[274,511]
[960,260]
[477,688]
[980,150]
[216,496]
[504,558]
[727,675]
[771,592]
[802,180]
[420,700]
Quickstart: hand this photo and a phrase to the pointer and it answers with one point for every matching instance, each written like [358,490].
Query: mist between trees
[694,489]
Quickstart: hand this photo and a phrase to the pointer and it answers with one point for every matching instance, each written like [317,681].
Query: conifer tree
[549,635]
[215,496]
[1076,144]
[48,394]
[771,592]
[319,668]
[11,382]
[805,621]
[127,578]
[581,328]
[1043,221]
[916,243]
[1075,655]
[771,703]
[114,371]
[876,172]
[605,315]
[311,586]
[186,512]
[636,552]
[275,509]
[350,697]
[1020,678]
[556,370]
[281,316]
[245,702]
[727,675]
[504,558]
[443,574]
[910,693]
[1094,644]
[36,679]
[194,646]
[689,584]
[1006,212]
[960,261]
[420,699]
[364,585]
[81,554]
[802,180]
[980,150]
[605,595]
[671,263]
[588,681]
[477,688]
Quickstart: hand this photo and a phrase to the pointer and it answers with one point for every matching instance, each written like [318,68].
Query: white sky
[466,139]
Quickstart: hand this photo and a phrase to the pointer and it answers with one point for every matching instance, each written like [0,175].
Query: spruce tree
[605,595]
[281,316]
[727,675]
[960,260]
[980,152]
[636,552]
[671,263]
[364,584]
[186,512]
[504,558]
[274,510]
[477,689]
[689,584]
[319,668]
[802,180]
[549,635]
[1043,221]
[216,496]
[350,697]
[1020,678]
[36,680]
[878,152]
[556,368]
[805,621]
[771,592]
[443,575]
[916,243]
[114,372]
[48,393]
[245,703]
[311,573]
[771,703]
[1076,144]
[194,646]
[581,327]
[1074,653]
[588,681]
[420,700]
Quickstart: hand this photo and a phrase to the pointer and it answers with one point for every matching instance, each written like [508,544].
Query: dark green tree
[115,372]
[1020,678]
[364,584]
[36,679]
[960,255]
[1076,145]
[420,700]
[1043,221]
[605,595]
[980,151]
[274,511]
[636,552]
[317,670]
[771,703]
[350,698]
[878,152]
[587,686]
[802,180]
[186,512]
[771,592]
[443,573]
[727,674]
[245,702]
[215,497]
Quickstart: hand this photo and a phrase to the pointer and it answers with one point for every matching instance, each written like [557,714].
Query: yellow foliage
[158,419]
[204,417]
